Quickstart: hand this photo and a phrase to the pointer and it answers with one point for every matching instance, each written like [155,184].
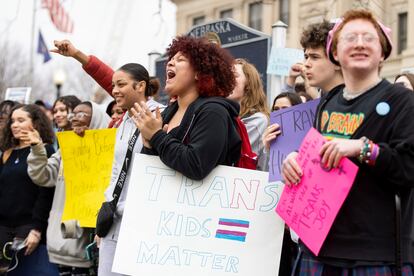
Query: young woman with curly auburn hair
[254,112]
[212,64]
[197,132]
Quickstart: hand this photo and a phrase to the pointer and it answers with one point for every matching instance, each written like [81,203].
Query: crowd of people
[373,233]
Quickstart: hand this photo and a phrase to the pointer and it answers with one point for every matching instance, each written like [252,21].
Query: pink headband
[385,30]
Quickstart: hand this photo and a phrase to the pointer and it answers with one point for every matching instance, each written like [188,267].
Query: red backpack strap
[248,158]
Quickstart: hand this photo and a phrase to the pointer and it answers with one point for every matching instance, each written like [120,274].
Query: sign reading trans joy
[240,40]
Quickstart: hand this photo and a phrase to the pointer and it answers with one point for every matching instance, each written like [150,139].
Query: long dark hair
[293,98]
[39,120]
[6,106]
[139,73]
[69,101]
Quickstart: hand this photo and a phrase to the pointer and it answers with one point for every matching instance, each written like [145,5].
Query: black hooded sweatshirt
[206,137]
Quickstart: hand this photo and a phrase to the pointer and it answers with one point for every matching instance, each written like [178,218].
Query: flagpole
[31,70]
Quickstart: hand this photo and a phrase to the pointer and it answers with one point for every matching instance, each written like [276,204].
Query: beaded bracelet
[369,152]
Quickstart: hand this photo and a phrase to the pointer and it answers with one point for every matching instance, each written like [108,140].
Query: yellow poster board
[87,163]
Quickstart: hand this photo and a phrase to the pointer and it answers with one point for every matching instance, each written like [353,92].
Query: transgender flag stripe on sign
[232,234]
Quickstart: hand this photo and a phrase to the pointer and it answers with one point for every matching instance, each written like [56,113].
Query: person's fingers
[325,151]
[158,113]
[330,156]
[54,51]
[270,137]
[27,251]
[28,244]
[337,159]
[296,168]
[139,109]
[134,111]
[288,173]
[79,131]
[145,108]
[284,179]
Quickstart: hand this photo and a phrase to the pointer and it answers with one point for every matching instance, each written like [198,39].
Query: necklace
[350,96]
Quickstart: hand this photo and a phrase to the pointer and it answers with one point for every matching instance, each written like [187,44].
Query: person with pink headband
[370,121]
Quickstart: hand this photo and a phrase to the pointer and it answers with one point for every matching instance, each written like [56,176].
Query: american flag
[58,15]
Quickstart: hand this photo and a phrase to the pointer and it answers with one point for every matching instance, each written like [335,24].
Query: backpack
[248,158]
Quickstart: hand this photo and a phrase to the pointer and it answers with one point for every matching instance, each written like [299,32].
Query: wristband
[369,152]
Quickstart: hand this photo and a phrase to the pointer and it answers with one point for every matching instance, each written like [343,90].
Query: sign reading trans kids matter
[222,225]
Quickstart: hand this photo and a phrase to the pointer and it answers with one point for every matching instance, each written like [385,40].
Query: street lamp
[59,78]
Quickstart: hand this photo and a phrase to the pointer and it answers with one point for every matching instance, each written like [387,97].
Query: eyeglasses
[353,38]
[78,115]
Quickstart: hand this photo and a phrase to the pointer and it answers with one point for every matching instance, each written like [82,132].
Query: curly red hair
[213,64]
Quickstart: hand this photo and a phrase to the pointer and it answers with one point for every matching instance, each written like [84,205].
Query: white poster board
[18,94]
[281,59]
[223,225]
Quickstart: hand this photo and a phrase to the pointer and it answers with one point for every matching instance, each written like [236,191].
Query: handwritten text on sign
[294,123]
[221,225]
[281,59]
[310,207]
[87,169]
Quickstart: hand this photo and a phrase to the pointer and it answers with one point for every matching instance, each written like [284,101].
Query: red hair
[213,64]
[368,16]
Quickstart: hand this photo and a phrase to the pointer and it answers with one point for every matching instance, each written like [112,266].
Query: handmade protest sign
[222,225]
[281,59]
[294,123]
[88,162]
[310,207]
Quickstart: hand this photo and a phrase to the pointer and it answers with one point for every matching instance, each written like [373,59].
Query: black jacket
[206,137]
[21,201]
[364,229]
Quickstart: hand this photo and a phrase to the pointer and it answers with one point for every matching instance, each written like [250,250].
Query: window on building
[198,20]
[255,15]
[284,11]
[402,32]
[226,13]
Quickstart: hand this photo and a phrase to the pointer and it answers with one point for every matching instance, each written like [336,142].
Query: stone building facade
[261,15]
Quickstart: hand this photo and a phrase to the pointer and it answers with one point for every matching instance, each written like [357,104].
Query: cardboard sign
[310,207]
[18,94]
[222,225]
[294,123]
[87,170]
[281,59]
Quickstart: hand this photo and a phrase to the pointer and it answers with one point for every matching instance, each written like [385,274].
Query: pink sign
[310,207]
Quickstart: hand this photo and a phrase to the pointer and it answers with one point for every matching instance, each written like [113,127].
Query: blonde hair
[254,99]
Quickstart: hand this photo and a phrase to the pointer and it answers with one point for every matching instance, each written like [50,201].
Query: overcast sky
[95,26]
[117,31]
